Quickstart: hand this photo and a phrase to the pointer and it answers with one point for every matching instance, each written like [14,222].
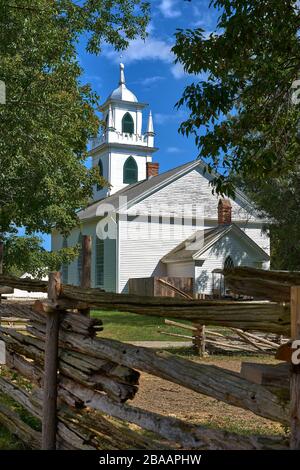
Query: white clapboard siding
[192,189]
[215,257]
[259,236]
[140,251]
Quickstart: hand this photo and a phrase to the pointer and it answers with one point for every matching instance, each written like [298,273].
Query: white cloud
[151,80]
[177,71]
[173,150]
[138,49]
[151,48]
[164,118]
[169,9]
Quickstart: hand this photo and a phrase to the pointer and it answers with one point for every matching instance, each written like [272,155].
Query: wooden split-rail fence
[76,386]
[229,340]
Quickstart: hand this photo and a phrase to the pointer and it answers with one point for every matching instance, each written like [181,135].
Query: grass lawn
[131,327]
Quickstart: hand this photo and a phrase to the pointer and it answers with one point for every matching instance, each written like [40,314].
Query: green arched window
[79,259]
[100,168]
[64,268]
[127,124]
[130,171]
[228,263]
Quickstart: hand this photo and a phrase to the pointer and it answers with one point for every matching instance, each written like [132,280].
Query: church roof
[134,192]
[196,245]
[122,93]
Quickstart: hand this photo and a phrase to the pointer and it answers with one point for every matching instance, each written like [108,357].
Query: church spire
[150,128]
[122,75]
[150,131]
[110,118]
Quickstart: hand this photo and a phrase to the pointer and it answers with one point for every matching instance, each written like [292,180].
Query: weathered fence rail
[82,382]
[99,373]
[262,284]
[206,340]
[261,316]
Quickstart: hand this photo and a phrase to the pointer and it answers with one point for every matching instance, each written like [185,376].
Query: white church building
[151,224]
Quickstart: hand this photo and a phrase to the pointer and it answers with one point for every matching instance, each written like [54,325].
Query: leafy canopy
[49,114]
[27,255]
[278,200]
[243,110]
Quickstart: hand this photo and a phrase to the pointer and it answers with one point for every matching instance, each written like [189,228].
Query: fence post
[295,371]
[86,265]
[49,423]
[199,340]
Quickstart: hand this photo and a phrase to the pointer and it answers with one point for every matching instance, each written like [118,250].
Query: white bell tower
[123,150]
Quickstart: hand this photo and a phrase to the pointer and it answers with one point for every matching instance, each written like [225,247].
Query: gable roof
[137,191]
[196,245]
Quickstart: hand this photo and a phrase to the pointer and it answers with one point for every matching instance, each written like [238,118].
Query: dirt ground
[169,399]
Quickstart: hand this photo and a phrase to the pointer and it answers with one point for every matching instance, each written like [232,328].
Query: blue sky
[152,75]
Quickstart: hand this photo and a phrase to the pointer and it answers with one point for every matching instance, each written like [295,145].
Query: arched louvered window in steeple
[127,124]
[100,169]
[130,171]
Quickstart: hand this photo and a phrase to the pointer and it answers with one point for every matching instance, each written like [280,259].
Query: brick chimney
[224,212]
[152,169]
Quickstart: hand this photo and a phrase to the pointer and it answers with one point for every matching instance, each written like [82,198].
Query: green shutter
[99,262]
[100,168]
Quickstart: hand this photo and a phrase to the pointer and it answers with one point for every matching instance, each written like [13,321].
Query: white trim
[243,237]
[118,261]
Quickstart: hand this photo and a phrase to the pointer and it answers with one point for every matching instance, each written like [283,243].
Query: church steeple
[123,148]
[122,93]
[122,75]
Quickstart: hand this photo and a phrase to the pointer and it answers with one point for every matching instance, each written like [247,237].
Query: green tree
[50,114]
[244,109]
[26,255]
[278,201]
